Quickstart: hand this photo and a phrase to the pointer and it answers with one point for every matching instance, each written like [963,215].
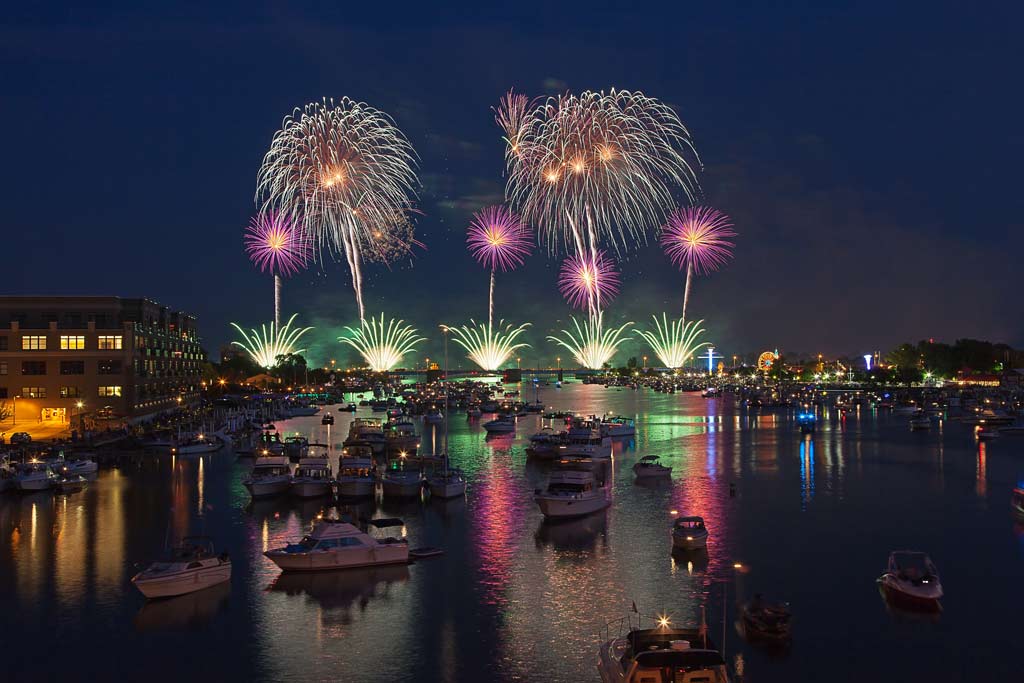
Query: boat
[312,478]
[398,481]
[807,422]
[586,440]
[650,466]
[912,579]
[572,491]
[400,435]
[198,446]
[327,419]
[503,424]
[449,483]
[296,448]
[433,416]
[356,472]
[765,621]
[34,476]
[80,467]
[191,567]
[617,427]
[920,422]
[660,655]
[545,444]
[986,433]
[302,411]
[1017,500]
[689,533]
[75,482]
[350,408]
[271,475]
[367,431]
[338,544]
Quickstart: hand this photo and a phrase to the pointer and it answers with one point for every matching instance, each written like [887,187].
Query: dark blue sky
[868,154]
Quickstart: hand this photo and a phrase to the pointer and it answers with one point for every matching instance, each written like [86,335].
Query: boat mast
[445,329]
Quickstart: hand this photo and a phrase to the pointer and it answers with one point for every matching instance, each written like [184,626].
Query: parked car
[21,437]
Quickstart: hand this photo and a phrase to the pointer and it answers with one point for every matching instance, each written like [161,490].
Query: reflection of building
[114,357]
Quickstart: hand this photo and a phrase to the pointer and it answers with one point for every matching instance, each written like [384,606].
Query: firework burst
[275,244]
[510,114]
[596,167]
[264,346]
[344,170]
[392,241]
[382,345]
[589,343]
[588,281]
[488,346]
[697,239]
[674,342]
[499,241]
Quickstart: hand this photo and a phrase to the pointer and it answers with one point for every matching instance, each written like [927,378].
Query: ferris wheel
[766,360]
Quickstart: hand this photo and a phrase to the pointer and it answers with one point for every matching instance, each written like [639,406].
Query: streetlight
[519,361]
[645,362]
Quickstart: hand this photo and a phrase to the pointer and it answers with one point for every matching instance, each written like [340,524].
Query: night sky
[868,154]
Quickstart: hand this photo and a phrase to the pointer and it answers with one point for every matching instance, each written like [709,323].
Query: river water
[812,521]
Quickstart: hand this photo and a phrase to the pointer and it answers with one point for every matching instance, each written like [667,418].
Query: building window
[70,392]
[72,367]
[109,342]
[110,391]
[72,342]
[33,392]
[110,367]
[33,343]
[33,367]
[3,367]
[3,343]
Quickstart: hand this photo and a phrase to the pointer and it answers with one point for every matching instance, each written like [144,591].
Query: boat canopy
[690,522]
[648,458]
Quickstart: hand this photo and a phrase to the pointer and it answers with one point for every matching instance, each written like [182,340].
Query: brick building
[99,357]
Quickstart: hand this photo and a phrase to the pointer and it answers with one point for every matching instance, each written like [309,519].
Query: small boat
[80,467]
[650,466]
[689,533]
[920,422]
[350,408]
[572,491]
[296,448]
[338,544]
[807,422]
[764,620]
[545,444]
[433,416]
[618,427]
[503,424]
[399,482]
[312,478]
[327,419]
[448,483]
[302,411]
[198,446]
[660,654]
[912,579]
[271,475]
[34,476]
[71,484]
[191,567]
[1017,500]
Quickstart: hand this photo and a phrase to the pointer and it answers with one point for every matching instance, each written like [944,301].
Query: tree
[5,411]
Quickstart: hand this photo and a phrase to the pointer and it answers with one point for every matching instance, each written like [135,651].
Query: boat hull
[263,488]
[34,484]
[310,489]
[558,507]
[184,583]
[356,488]
[390,553]
[449,489]
[689,541]
[401,489]
[925,597]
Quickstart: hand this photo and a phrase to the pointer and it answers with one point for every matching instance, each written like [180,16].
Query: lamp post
[14,414]
[645,362]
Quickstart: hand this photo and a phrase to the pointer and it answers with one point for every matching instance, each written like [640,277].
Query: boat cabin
[666,655]
[690,523]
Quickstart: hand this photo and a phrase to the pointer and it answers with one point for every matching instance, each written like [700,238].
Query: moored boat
[661,654]
[912,579]
[503,424]
[572,491]
[191,567]
[271,475]
[338,544]
[312,478]
[650,466]
[689,533]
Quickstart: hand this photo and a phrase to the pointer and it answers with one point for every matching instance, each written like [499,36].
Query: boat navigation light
[663,621]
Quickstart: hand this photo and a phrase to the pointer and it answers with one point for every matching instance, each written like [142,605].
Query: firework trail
[382,345]
[698,239]
[674,342]
[498,240]
[489,346]
[275,245]
[344,171]
[588,282]
[265,345]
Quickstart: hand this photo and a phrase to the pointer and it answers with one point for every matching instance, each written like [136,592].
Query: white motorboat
[271,475]
[369,431]
[586,440]
[650,466]
[450,482]
[398,481]
[617,427]
[198,446]
[689,533]
[546,444]
[572,491]
[503,424]
[337,544]
[75,482]
[312,478]
[661,654]
[80,467]
[34,476]
[912,579]
[356,472]
[191,567]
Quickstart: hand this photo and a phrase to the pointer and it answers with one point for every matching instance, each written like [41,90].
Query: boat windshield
[913,565]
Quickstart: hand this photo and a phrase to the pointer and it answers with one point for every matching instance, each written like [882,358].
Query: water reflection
[192,611]
[342,590]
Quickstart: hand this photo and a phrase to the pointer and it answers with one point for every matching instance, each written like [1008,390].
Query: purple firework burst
[498,239]
[275,244]
[585,281]
[698,237]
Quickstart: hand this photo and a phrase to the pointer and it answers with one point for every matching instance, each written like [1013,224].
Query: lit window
[3,368]
[72,342]
[70,392]
[33,343]
[110,391]
[33,392]
[109,342]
